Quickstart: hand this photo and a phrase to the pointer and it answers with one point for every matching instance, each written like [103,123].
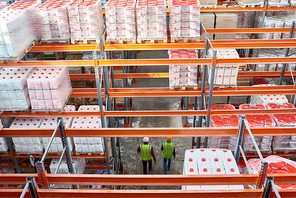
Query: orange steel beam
[49,193]
[86,93]
[252,43]
[55,63]
[241,75]
[50,114]
[134,180]
[151,132]
[247,30]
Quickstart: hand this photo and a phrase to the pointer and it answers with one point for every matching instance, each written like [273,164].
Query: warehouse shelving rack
[158,92]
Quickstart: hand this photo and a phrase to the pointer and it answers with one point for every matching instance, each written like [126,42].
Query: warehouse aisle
[131,158]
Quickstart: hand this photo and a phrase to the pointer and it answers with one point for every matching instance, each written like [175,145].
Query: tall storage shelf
[161,92]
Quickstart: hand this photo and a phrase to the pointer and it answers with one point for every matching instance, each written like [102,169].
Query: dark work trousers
[145,166]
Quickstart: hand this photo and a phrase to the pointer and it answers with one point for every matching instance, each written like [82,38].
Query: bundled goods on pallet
[265,99]
[88,144]
[3,5]
[78,168]
[276,165]
[283,120]
[37,144]
[121,20]
[258,120]
[54,23]
[274,53]
[210,162]
[27,144]
[225,75]
[151,20]
[19,24]
[276,21]
[224,120]
[250,2]
[243,19]
[49,88]
[3,145]
[184,19]
[86,19]
[208,21]
[183,75]
[13,88]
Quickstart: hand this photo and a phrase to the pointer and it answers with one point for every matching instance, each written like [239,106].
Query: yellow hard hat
[169,139]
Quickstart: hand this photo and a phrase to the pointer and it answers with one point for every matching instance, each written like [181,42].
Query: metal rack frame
[202,92]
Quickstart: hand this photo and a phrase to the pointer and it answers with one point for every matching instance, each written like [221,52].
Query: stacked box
[86,19]
[13,88]
[184,19]
[78,166]
[19,23]
[210,162]
[224,21]
[121,19]
[88,144]
[265,99]
[27,144]
[49,88]
[258,120]
[223,121]
[151,19]
[225,75]
[54,20]
[183,74]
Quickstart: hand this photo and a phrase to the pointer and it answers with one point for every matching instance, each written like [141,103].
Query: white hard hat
[146,139]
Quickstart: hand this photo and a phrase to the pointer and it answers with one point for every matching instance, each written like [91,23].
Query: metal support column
[66,144]
[56,55]
[32,186]
[10,147]
[64,55]
[268,187]
[213,67]
[98,83]
[203,90]
[287,54]
[240,137]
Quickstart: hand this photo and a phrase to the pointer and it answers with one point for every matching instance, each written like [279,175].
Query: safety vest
[145,152]
[168,150]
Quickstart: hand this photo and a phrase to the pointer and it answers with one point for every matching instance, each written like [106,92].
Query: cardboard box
[208,21]
[208,2]
[224,21]
[75,70]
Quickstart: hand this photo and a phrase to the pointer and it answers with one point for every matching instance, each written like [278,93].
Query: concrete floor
[131,159]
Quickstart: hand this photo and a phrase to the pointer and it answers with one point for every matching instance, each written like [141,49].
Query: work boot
[151,169]
[169,168]
[165,172]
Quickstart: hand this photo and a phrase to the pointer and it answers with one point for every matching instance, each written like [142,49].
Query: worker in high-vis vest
[147,153]
[168,151]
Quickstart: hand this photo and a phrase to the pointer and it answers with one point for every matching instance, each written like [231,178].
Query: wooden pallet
[253,150]
[21,54]
[41,153]
[249,5]
[55,41]
[153,40]
[120,40]
[183,87]
[285,149]
[185,39]
[17,110]
[88,40]
[89,153]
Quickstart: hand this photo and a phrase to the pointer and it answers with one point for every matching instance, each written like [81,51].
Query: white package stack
[88,144]
[210,162]
[86,19]
[265,99]
[13,88]
[54,20]
[225,75]
[121,20]
[19,23]
[49,88]
[27,144]
[181,75]
[151,19]
[184,19]
[78,165]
